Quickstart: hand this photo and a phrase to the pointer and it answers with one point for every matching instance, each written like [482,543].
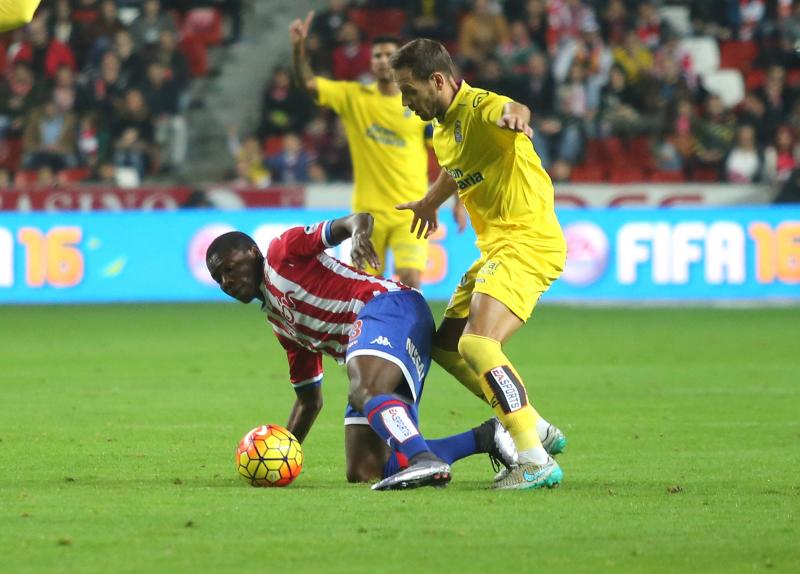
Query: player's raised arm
[301,68]
[358,226]
[425,210]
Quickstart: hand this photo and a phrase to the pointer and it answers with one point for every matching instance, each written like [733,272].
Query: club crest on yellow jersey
[457,132]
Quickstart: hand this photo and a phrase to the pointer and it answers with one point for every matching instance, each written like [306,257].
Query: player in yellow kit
[387,145]
[482,141]
[16,13]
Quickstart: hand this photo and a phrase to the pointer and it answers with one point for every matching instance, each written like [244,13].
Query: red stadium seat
[755,79]
[630,174]
[595,151]
[659,176]
[705,174]
[74,175]
[379,22]
[10,153]
[205,25]
[737,54]
[614,150]
[22,178]
[793,77]
[589,173]
[639,152]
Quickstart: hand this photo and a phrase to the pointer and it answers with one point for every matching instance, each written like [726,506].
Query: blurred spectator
[749,16]
[291,165]
[538,93]
[283,108]
[102,32]
[63,30]
[250,168]
[677,148]
[535,20]
[430,19]
[752,111]
[104,90]
[326,24]
[634,57]
[619,105]
[174,62]
[131,65]
[714,134]
[19,93]
[782,157]
[649,27]
[335,158]
[491,77]
[744,163]
[133,134]
[351,58]
[566,20]
[777,96]
[517,49]
[89,141]
[560,171]
[44,55]
[49,137]
[615,22]
[161,94]
[482,32]
[146,29]
[575,113]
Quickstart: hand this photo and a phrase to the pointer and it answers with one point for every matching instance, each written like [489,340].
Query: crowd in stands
[98,89]
[621,90]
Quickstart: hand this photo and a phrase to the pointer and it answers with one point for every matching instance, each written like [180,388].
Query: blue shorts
[396,326]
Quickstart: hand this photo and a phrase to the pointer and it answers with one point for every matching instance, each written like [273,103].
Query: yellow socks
[503,388]
[454,364]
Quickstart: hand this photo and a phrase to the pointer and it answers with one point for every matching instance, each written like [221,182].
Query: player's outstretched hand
[425,221]
[515,123]
[362,251]
[298,29]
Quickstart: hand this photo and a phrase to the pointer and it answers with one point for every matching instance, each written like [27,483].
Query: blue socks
[391,419]
[456,447]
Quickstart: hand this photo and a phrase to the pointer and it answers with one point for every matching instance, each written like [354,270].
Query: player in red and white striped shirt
[382,329]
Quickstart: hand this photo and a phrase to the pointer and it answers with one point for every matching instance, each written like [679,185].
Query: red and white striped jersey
[312,299]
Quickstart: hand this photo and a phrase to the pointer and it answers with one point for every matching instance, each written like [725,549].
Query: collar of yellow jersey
[461,94]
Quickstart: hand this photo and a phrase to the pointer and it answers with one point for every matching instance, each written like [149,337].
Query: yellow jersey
[387,146]
[505,189]
[16,13]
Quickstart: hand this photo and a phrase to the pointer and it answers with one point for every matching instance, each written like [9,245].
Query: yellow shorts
[408,252]
[514,274]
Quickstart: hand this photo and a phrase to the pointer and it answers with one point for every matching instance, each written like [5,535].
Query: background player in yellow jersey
[482,141]
[387,146]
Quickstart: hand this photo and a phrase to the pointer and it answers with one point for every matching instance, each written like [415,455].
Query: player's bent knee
[358,397]
[361,472]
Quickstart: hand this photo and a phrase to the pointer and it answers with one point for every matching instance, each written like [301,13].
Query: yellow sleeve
[16,13]
[489,105]
[335,95]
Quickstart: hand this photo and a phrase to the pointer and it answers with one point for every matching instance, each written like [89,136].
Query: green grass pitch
[119,424]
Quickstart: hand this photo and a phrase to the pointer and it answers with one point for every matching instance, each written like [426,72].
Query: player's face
[238,273]
[420,96]
[380,61]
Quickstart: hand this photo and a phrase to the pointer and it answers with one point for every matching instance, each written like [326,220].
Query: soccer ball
[269,455]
